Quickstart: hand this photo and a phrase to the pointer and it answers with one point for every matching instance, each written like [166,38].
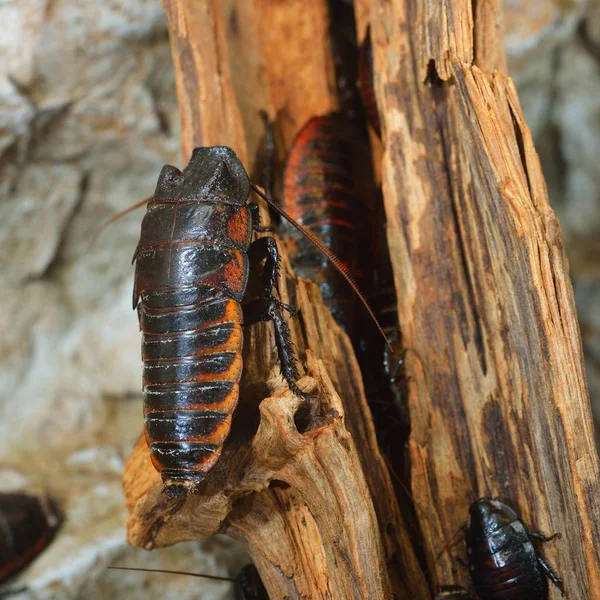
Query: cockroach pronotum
[502,560]
[319,192]
[28,524]
[192,266]
[247,585]
[366,82]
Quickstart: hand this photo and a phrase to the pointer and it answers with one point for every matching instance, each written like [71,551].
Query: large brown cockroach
[247,585]
[502,561]
[27,526]
[319,192]
[192,265]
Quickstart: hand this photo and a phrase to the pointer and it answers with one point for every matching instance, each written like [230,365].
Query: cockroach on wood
[320,193]
[247,585]
[192,266]
[28,524]
[503,562]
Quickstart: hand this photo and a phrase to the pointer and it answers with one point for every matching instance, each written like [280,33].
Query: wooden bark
[314,504]
[498,398]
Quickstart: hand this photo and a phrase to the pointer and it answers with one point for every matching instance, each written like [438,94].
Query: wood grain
[498,398]
[314,504]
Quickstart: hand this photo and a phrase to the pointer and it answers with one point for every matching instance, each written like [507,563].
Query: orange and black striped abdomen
[191,275]
[27,526]
[319,193]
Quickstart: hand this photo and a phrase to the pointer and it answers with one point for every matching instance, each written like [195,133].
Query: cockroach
[502,560]
[28,524]
[319,192]
[247,585]
[452,592]
[192,267]
[366,82]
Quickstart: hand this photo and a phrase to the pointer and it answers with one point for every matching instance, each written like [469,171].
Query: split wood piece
[207,103]
[155,520]
[282,61]
[497,391]
[310,516]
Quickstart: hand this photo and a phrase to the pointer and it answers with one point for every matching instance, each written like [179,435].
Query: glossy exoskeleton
[503,563]
[192,267]
[27,526]
[366,82]
[319,192]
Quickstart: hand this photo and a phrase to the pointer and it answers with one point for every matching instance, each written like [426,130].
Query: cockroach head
[214,173]
[488,515]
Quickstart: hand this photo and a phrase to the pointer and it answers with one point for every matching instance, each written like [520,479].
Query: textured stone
[88,116]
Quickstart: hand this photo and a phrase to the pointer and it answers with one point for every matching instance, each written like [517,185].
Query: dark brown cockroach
[319,192]
[247,585]
[27,526]
[366,82]
[192,265]
[503,562]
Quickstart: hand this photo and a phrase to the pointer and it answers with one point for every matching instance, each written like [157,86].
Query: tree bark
[498,398]
[312,501]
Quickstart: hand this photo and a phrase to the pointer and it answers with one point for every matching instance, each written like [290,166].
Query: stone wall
[88,116]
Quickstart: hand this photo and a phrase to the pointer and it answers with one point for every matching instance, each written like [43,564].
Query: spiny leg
[265,248]
[271,308]
[255,215]
[552,576]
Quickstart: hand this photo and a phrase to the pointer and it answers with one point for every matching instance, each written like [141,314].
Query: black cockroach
[366,82]
[319,192]
[503,562]
[247,585]
[192,265]
[28,524]
[452,592]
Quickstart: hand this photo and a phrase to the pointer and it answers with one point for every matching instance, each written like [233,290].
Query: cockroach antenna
[116,217]
[169,572]
[335,261]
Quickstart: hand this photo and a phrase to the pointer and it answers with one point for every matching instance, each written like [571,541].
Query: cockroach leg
[552,576]
[266,248]
[271,308]
[253,208]
[540,537]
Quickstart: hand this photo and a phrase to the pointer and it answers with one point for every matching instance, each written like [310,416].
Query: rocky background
[88,116]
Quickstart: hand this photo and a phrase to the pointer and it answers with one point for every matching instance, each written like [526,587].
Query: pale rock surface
[88,116]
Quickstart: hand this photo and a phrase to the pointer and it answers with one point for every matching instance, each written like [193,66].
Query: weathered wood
[313,532]
[317,534]
[498,397]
